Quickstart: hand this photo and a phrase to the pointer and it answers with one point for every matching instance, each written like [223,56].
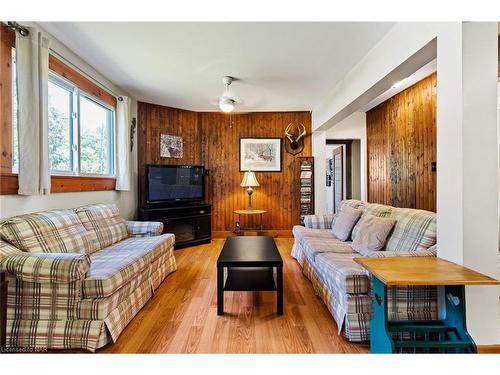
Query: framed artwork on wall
[260,154]
[171,146]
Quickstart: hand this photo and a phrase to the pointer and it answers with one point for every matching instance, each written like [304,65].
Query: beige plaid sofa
[345,286]
[77,277]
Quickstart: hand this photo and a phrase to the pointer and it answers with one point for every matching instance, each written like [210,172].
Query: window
[96,137]
[81,131]
[80,127]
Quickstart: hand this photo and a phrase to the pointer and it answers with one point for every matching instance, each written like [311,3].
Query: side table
[428,336]
[250,213]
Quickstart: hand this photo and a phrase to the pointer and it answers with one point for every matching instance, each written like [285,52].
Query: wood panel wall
[210,140]
[401,141]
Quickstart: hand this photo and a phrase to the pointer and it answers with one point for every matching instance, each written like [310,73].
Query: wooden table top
[249,212]
[423,271]
[249,251]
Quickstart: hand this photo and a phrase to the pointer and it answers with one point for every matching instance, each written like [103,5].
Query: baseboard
[273,233]
[488,349]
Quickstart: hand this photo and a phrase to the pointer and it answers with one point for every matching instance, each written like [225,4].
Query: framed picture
[171,146]
[260,154]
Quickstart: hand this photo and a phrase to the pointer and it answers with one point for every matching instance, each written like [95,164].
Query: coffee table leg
[279,289]
[220,290]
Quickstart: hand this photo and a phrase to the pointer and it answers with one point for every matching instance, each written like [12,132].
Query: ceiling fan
[227,101]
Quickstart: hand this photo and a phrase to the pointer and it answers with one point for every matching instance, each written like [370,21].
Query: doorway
[343,171]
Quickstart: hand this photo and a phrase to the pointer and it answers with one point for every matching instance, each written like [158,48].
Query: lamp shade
[249,180]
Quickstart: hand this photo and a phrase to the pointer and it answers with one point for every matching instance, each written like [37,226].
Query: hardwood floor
[182,315]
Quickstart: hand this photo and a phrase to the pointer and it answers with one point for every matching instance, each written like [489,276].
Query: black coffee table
[250,263]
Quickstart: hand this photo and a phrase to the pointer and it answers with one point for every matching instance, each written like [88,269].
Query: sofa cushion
[312,246]
[351,203]
[104,222]
[414,230]
[300,232]
[56,231]
[340,271]
[373,233]
[375,209]
[345,221]
[116,265]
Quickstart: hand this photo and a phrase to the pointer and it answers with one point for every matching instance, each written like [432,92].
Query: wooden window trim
[59,184]
[80,81]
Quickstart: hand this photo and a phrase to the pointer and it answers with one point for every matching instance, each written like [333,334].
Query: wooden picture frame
[260,154]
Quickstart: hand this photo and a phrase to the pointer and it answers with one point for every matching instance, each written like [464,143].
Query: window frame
[76,129]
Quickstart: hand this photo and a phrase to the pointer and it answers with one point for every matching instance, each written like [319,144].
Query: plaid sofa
[345,286]
[78,277]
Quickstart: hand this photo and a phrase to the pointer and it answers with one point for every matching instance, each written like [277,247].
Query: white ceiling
[279,66]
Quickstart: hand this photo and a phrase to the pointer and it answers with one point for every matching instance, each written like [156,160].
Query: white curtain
[122,144]
[32,72]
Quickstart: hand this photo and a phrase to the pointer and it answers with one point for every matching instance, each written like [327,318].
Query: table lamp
[249,181]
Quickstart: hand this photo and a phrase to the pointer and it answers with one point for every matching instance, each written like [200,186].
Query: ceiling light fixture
[226,104]
[226,101]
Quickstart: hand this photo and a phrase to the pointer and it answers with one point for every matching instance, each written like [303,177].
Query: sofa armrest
[144,228]
[46,267]
[318,221]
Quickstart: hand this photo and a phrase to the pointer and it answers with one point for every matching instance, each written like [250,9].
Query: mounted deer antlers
[294,133]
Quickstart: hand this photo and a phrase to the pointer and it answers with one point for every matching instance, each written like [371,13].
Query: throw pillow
[372,233]
[344,222]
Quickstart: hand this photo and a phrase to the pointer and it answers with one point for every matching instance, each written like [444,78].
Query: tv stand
[190,222]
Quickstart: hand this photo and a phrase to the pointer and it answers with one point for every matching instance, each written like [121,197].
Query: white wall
[319,152]
[467,144]
[127,201]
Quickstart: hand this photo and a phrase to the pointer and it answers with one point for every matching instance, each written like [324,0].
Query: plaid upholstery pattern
[300,233]
[56,231]
[144,228]
[105,224]
[353,312]
[47,304]
[50,268]
[44,286]
[388,254]
[116,265]
[57,334]
[162,267]
[100,308]
[339,271]
[8,249]
[354,203]
[374,209]
[118,319]
[345,286]
[318,221]
[414,230]
[311,247]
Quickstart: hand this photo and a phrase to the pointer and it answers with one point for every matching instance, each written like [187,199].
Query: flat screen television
[174,183]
